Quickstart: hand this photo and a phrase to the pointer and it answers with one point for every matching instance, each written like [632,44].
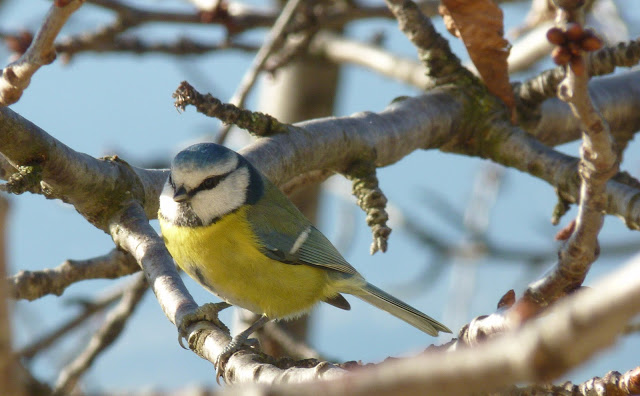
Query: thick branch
[74,177]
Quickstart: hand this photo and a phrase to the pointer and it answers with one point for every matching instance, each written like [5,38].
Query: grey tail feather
[399,309]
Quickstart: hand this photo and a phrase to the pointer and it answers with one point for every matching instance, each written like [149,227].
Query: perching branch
[542,349]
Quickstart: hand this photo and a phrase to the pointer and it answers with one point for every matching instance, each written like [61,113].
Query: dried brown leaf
[479,24]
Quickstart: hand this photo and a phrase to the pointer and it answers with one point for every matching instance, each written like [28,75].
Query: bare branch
[598,163]
[545,85]
[342,50]
[254,122]
[433,50]
[237,17]
[613,383]
[103,338]
[17,75]
[300,181]
[88,309]
[291,347]
[275,37]
[31,285]
[135,45]
[430,121]
[8,361]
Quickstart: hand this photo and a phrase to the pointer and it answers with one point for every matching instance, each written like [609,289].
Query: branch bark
[17,75]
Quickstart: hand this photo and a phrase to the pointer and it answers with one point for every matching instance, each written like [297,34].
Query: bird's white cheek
[168,207]
[229,195]
[214,204]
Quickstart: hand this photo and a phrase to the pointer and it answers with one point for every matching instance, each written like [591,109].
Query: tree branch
[31,285]
[88,309]
[17,75]
[598,163]
[103,338]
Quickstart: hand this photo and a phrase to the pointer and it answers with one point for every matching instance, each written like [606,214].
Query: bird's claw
[207,312]
[232,347]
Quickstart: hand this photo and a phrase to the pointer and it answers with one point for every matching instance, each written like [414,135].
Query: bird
[235,233]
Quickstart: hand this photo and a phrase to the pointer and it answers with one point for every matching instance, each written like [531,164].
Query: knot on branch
[132,186]
[256,123]
[372,200]
[27,178]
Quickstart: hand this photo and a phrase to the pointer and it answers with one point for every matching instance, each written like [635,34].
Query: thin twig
[339,49]
[598,163]
[536,90]
[135,45]
[17,75]
[88,309]
[257,123]
[476,217]
[275,37]
[292,347]
[31,285]
[103,338]
[433,50]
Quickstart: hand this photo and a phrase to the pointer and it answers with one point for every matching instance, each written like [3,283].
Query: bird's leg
[207,312]
[237,342]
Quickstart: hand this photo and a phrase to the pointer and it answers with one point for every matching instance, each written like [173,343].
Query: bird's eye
[171,182]
[211,182]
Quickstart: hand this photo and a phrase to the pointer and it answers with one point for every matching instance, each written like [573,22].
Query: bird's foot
[236,343]
[207,312]
[232,347]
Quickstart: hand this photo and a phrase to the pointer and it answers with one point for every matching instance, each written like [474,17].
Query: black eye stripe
[209,183]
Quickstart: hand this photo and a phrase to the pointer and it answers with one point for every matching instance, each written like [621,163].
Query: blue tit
[229,228]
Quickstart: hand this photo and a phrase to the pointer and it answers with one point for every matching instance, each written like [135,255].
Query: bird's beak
[180,195]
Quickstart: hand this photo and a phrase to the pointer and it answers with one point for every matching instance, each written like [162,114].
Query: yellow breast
[225,258]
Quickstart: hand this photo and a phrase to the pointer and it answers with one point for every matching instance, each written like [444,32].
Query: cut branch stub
[372,200]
